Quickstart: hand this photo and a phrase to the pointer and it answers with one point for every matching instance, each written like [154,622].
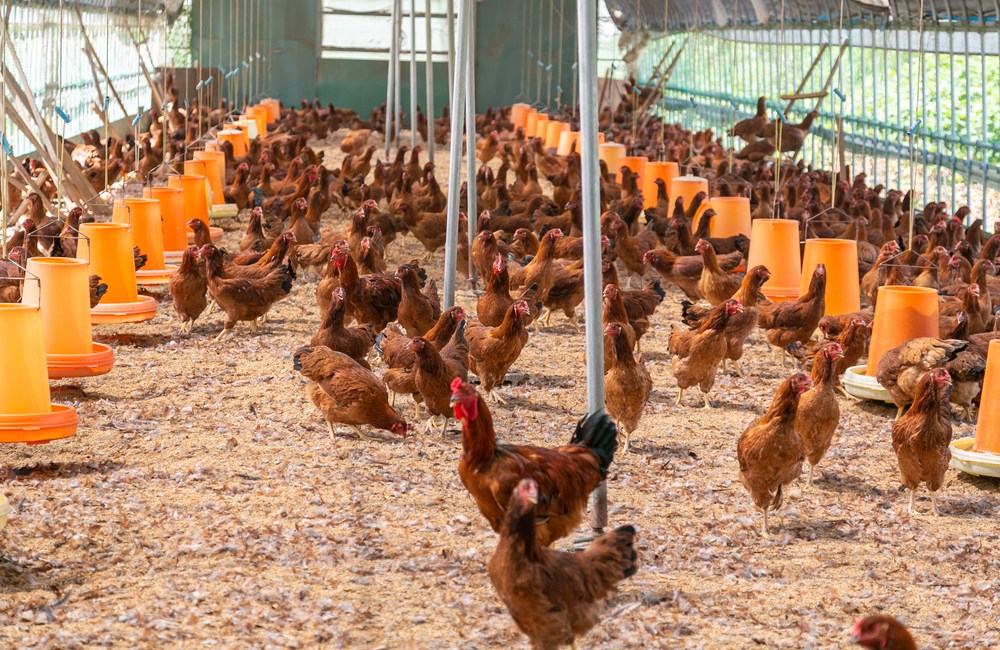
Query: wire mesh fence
[946,75]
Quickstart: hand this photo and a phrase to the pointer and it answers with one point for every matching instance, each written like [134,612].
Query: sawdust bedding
[202,504]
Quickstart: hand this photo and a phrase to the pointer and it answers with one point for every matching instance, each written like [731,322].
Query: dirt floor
[202,504]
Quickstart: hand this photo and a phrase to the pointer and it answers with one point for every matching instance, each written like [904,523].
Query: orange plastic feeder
[530,122]
[273,109]
[200,168]
[687,187]
[215,172]
[172,221]
[108,248]
[142,216]
[611,153]
[843,294]
[775,244]
[566,141]
[259,115]
[27,413]
[519,115]
[541,123]
[988,428]
[637,164]
[901,314]
[665,171]
[63,294]
[552,132]
[195,203]
[235,138]
[732,217]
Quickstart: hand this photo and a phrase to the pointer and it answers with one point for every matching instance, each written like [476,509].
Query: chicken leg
[934,505]
[809,481]
[764,530]
[330,430]
[708,404]
[913,498]
[680,396]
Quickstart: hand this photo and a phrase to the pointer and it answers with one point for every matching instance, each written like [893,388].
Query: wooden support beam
[96,59]
[798,96]
[833,71]
[659,66]
[802,84]
[664,78]
[75,183]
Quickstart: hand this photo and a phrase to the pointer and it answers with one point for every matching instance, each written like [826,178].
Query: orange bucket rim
[98,362]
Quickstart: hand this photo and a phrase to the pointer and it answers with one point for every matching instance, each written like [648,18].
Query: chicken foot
[680,396]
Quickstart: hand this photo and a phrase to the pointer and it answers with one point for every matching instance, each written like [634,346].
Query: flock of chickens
[529,254]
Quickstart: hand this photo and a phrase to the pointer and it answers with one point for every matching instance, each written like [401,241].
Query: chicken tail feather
[597,432]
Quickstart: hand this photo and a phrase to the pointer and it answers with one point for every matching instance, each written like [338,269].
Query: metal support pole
[390,87]
[413,73]
[451,56]
[470,136]
[590,203]
[429,74]
[455,163]
[397,40]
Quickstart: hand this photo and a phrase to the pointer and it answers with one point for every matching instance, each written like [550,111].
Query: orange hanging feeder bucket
[66,325]
[611,153]
[142,216]
[901,314]
[108,249]
[215,172]
[732,217]
[236,138]
[843,294]
[27,413]
[637,164]
[775,244]
[552,132]
[566,141]
[172,221]
[988,428]
[687,187]
[200,168]
[541,123]
[519,115]
[665,171]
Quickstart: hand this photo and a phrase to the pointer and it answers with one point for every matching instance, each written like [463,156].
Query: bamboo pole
[805,79]
[97,59]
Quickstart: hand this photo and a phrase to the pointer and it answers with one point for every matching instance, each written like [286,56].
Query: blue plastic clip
[210,79]
[61,113]
[6,147]
[558,88]
[187,103]
[245,64]
[635,89]
[734,104]
[221,69]
[782,116]
[836,91]
[138,116]
[574,65]
[199,85]
[540,64]
[530,53]
[915,127]
[258,54]
[107,100]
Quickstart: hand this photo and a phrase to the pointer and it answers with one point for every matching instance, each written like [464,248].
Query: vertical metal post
[470,136]
[390,86]
[397,39]
[413,74]
[451,56]
[590,203]
[455,163]
[429,74]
